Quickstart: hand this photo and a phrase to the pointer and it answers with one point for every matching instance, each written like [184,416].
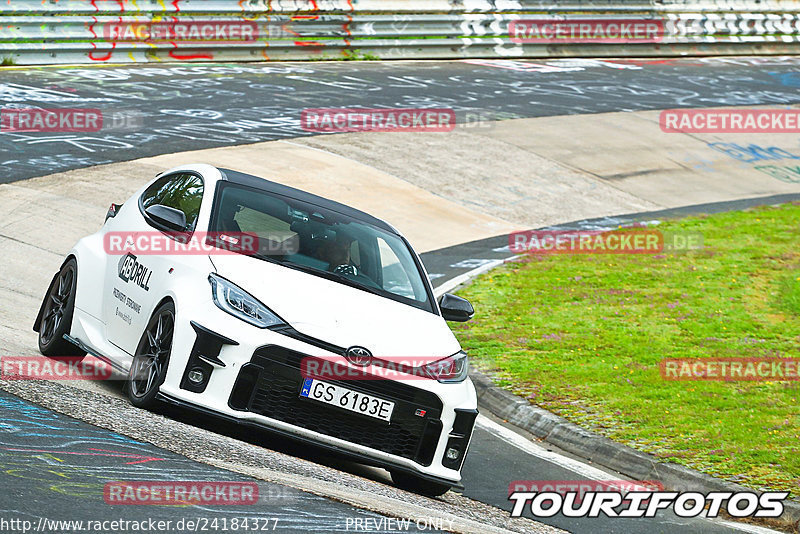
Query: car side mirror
[455,308]
[172,218]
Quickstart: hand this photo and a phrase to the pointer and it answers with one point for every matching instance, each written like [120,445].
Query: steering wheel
[346,269]
[352,272]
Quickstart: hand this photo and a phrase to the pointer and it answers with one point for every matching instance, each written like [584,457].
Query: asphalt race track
[42,452]
[166,109]
[157,110]
[510,463]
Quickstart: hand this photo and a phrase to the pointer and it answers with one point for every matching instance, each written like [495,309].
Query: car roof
[263,184]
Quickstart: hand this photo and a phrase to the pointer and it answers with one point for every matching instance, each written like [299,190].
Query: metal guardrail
[124,31]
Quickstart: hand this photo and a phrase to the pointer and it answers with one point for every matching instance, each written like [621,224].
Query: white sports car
[167,292]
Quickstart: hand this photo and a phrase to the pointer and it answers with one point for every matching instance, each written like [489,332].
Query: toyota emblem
[358,356]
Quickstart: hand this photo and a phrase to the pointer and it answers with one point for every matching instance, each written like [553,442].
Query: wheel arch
[37,323]
[169,297]
[164,300]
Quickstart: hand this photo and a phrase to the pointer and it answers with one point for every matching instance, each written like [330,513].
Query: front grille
[270,386]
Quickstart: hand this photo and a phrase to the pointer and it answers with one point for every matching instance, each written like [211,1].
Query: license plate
[345,398]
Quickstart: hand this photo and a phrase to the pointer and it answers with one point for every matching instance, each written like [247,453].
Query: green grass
[583,335]
[356,55]
[789,294]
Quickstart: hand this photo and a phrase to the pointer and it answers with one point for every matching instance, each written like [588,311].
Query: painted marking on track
[454,282]
[95,452]
[49,459]
[471,263]
[529,447]
[582,469]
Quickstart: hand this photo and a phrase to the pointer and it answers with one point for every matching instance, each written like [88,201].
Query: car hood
[340,314]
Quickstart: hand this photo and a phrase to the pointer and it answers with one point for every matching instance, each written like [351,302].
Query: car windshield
[321,242]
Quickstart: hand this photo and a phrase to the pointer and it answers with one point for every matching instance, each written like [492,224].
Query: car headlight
[233,299]
[451,369]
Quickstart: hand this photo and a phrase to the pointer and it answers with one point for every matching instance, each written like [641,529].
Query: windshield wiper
[350,282]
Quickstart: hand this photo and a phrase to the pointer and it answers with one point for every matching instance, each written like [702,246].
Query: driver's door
[135,282]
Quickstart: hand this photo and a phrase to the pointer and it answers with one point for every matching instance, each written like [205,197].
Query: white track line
[529,447]
[582,469]
[451,284]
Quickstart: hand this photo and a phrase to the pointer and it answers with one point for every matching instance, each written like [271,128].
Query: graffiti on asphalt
[785,171]
[146,107]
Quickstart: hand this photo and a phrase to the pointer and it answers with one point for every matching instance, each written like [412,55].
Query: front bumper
[253,377]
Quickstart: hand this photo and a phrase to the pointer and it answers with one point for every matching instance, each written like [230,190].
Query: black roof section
[263,184]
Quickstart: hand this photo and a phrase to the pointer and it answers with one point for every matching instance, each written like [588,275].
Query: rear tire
[59,307]
[419,485]
[151,360]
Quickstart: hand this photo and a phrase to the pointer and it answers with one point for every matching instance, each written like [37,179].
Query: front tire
[59,307]
[151,360]
[418,485]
